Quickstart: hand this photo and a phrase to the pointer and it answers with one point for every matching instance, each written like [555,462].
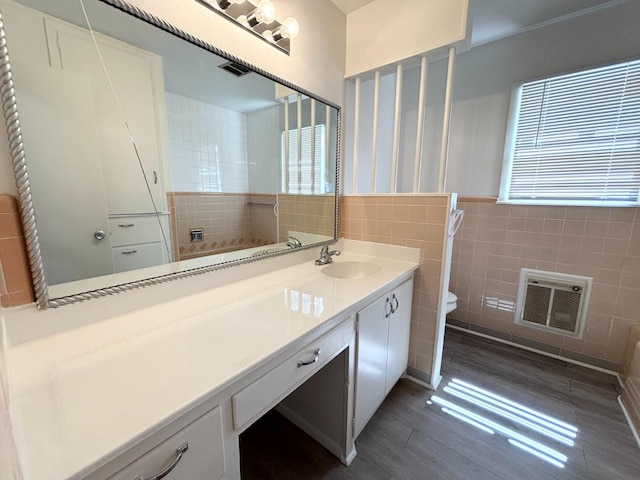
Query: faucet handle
[293,242]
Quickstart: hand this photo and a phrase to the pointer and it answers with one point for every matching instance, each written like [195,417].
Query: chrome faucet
[325,255]
[293,242]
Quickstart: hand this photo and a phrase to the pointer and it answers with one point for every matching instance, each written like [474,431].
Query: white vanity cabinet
[195,452]
[382,350]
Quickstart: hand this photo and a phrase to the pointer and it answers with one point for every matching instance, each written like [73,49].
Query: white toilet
[452,302]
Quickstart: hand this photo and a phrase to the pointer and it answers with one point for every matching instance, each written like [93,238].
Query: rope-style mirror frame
[18,159]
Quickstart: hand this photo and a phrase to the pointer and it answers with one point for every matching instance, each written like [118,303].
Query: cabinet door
[131,72]
[373,332]
[399,325]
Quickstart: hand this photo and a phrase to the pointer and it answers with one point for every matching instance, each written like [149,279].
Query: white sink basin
[352,270]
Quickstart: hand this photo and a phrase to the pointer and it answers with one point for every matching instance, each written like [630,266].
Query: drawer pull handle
[126,225]
[180,452]
[129,252]
[388,313]
[316,356]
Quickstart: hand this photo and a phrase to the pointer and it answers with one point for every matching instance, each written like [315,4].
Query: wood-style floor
[410,439]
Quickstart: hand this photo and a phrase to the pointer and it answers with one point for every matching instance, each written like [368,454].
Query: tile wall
[262,219]
[414,221]
[15,275]
[306,213]
[225,219]
[207,146]
[496,241]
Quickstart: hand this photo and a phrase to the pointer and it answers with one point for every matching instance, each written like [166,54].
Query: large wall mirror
[150,154]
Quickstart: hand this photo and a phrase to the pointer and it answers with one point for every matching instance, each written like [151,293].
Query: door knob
[99,235]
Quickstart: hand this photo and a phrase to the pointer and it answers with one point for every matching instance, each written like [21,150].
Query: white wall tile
[207,146]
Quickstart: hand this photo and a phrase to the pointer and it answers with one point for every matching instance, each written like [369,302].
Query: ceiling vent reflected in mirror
[235,68]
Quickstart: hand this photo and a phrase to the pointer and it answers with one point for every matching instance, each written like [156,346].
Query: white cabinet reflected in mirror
[150,156]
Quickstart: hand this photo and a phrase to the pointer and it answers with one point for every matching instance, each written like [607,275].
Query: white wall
[383,32]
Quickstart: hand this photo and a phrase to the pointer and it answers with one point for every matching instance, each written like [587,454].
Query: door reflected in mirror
[148,155]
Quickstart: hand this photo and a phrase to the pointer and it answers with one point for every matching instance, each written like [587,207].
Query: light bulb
[242,20]
[268,35]
[290,28]
[265,12]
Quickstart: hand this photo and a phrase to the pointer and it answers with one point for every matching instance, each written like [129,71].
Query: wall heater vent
[551,301]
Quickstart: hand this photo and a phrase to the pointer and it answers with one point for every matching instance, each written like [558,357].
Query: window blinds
[306,176]
[577,138]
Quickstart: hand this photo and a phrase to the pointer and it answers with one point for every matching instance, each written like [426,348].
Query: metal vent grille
[553,301]
[565,309]
[536,305]
[235,68]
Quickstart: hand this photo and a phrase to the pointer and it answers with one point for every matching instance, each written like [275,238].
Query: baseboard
[632,426]
[349,458]
[422,378]
[316,434]
[534,350]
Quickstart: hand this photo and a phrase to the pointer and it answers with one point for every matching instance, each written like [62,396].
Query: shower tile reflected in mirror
[207,146]
[228,222]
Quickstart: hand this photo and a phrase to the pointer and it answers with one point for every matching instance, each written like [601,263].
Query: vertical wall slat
[299,117]
[420,124]
[285,187]
[356,134]
[396,131]
[374,136]
[446,121]
[327,148]
[313,146]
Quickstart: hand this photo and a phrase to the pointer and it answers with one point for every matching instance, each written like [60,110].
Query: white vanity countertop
[82,396]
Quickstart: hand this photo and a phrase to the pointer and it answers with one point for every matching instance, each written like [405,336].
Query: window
[307,174]
[575,139]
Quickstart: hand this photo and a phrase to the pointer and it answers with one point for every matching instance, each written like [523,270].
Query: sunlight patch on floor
[461,393]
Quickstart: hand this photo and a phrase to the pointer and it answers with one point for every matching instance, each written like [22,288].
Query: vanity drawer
[203,458]
[129,230]
[133,257]
[268,390]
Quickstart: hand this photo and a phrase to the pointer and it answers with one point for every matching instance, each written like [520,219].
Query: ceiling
[495,19]
[348,6]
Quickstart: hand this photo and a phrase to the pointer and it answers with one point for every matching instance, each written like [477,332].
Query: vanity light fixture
[264,13]
[259,19]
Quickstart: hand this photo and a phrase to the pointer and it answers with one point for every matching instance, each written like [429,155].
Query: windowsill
[568,203]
